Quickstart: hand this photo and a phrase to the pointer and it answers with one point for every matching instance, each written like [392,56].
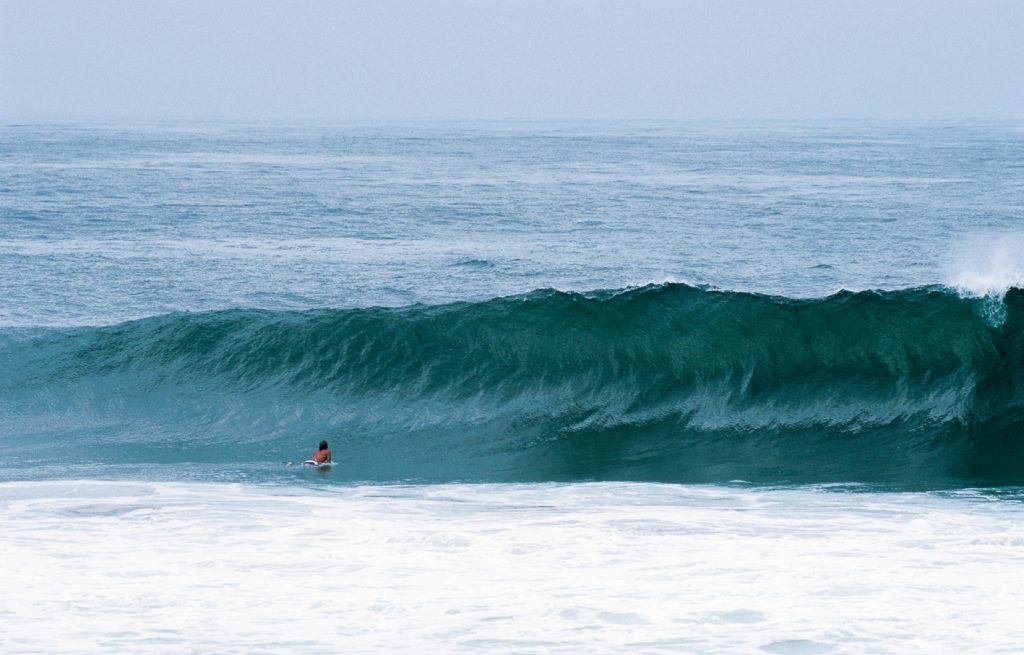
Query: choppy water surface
[107,223]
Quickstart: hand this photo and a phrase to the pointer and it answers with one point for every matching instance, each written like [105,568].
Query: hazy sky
[529,59]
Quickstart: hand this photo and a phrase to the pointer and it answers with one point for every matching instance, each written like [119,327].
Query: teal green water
[668,383]
[514,302]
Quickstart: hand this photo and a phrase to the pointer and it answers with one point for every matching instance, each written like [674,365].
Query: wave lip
[664,382]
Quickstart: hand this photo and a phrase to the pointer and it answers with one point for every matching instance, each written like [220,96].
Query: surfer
[320,457]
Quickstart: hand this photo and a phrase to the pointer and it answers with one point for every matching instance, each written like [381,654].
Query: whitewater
[542,568]
[603,387]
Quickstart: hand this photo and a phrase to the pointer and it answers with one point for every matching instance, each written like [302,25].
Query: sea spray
[987,265]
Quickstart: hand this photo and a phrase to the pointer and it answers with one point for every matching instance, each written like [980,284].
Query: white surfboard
[319,465]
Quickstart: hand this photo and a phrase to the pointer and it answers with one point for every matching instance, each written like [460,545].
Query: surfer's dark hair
[323,445]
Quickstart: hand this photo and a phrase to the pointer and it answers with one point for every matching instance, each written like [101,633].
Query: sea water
[629,387]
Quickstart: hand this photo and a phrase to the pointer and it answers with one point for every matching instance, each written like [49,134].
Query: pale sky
[525,59]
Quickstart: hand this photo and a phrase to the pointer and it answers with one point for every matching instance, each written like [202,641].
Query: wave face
[669,383]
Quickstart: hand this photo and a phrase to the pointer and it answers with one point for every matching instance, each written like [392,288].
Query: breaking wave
[666,382]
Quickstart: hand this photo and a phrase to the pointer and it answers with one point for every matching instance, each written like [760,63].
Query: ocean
[611,387]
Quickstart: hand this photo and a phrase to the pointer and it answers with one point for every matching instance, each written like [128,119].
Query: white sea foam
[129,567]
[987,265]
